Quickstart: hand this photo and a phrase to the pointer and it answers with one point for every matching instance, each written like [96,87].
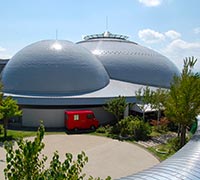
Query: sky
[170,27]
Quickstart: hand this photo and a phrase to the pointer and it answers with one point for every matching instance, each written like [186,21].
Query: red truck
[80,119]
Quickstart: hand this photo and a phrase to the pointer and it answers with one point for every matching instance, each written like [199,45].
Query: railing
[183,165]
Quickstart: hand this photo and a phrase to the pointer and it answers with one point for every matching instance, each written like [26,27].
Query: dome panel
[53,68]
[127,61]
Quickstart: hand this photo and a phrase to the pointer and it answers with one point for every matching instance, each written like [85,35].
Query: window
[90,116]
[76,117]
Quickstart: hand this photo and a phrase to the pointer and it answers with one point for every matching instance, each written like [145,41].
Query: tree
[158,99]
[26,162]
[183,101]
[144,96]
[8,109]
[117,106]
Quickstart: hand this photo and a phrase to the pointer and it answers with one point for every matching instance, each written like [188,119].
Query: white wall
[55,117]
[50,117]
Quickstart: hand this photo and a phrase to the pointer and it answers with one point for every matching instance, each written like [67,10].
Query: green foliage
[16,134]
[157,150]
[28,163]
[155,99]
[128,128]
[103,129]
[1,129]
[116,106]
[24,162]
[161,125]
[91,178]
[183,101]
[158,99]
[174,144]
[144,96]
[8,109]
[133,126]
[67,170]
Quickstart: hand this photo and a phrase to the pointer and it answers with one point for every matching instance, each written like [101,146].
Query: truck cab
[80,119]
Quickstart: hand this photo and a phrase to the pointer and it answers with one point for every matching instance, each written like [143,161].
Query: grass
[162,151]
[15,134]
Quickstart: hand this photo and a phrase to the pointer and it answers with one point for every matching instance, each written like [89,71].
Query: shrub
[101,129]
[174,144]
[1,129]
[161,125]
[134,126]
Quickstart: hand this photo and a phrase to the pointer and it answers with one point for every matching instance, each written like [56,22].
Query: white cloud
[180,45]
[173,46]
[172,34]
[197,30]
[178,49]
[150,36]
[151,3]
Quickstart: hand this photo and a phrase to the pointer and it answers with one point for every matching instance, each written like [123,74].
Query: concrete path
[106,156]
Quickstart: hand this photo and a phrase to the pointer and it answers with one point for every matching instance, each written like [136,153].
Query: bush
[161,125]
[1,129]
[174,143]
[135,127]
[101,129]
[115,129]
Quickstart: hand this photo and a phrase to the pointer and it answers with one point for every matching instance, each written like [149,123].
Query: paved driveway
[106,156]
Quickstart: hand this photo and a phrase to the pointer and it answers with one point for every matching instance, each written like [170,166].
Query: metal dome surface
[127,61]
[52,67]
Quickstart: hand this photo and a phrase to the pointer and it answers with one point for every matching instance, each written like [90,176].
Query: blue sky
[171,27]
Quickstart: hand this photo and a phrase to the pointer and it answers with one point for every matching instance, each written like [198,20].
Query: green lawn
[162,152]
[15,134]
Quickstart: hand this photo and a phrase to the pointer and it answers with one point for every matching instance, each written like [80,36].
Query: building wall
[55,117]
[50,117]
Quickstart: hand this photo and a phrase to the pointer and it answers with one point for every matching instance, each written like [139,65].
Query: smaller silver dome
[52,67]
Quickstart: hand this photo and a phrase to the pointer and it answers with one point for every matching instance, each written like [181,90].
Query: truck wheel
[75,129]
[92,128]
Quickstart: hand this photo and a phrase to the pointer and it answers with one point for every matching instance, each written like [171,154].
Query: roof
[54,68]
[59,72]
[99,97]
[143,108]
[127,61]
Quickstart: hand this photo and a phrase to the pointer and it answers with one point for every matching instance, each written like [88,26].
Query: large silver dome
[53,67]
[127,61]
